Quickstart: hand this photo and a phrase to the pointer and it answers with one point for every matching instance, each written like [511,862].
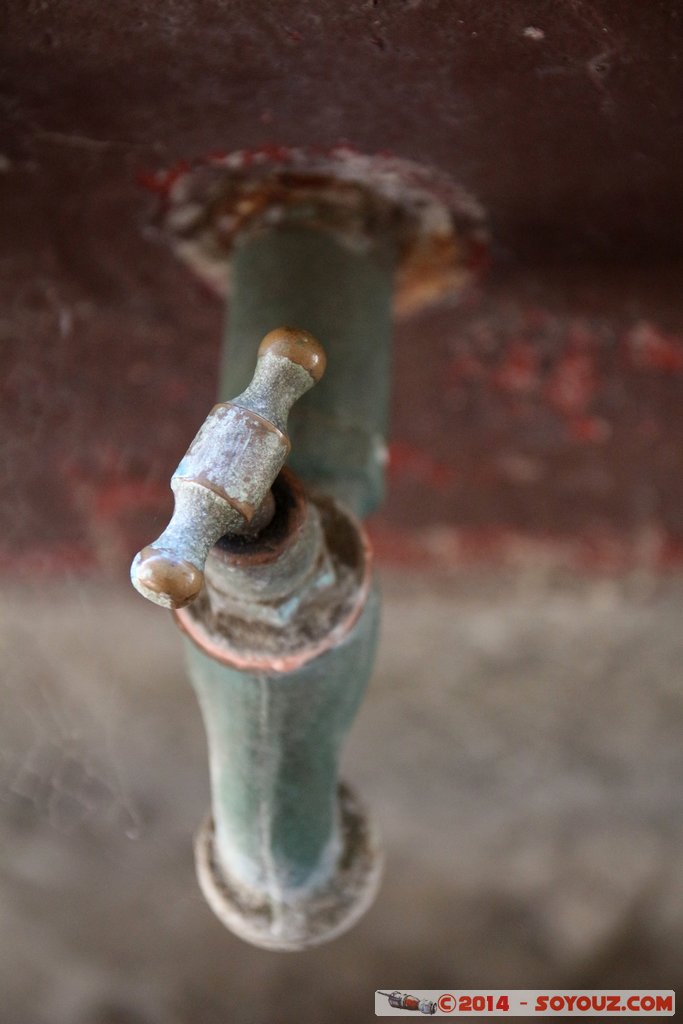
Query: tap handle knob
[225,477]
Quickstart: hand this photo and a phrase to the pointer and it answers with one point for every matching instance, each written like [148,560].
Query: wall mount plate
[435,230]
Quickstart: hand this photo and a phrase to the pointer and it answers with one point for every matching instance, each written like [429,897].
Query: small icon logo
[447,1002]
[404,1001]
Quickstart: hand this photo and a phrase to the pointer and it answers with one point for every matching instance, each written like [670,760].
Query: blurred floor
[521,749]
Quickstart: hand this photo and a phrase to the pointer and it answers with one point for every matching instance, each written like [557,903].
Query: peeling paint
[651,349]
[439,230]
[409,461]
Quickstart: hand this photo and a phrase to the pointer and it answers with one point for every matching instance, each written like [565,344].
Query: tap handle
[225,477]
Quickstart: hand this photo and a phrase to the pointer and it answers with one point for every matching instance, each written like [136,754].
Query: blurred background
[520,745]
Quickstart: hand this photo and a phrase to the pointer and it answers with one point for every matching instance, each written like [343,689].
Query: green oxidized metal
[340,291]
[274,745]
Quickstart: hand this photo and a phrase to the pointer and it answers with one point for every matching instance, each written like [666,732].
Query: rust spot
[295,646]
[439,231]
[280,533]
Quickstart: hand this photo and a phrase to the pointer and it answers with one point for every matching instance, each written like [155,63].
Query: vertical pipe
[342,293]
[274,743]
[288,858]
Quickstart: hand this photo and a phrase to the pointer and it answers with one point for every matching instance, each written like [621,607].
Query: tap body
[280,649]
[272,585]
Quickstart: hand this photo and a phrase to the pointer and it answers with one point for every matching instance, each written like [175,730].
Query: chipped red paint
[112,501]
[450,548]
[567,379]
[651,349]
[268,152]
[160,182]
[573,383]
[587,280]
[504,369]
[588,429]
[519,370]
[407,460]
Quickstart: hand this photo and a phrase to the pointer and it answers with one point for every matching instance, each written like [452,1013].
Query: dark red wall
[542,418]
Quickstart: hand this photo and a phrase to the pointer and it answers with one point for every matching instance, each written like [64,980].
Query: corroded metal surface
[266,581]
[280,647]
[275,738]
[342,293]
[297,921]
[438,230]
[335,241]
[267,618]
[226,475]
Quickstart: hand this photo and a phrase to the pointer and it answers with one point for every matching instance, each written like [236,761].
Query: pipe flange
[318,622]
[436,231]
[305,917]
